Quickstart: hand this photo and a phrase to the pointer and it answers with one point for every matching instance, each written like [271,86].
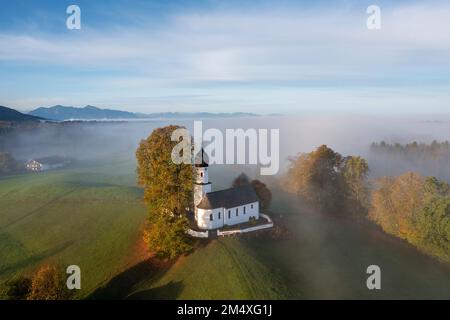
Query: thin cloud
[299,46]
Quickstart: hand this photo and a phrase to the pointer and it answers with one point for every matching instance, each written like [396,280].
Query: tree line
[416,209]
[415,150]
[9,165]
[410,206]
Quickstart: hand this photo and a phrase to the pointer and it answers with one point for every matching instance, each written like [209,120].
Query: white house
[34,165]
[225,207]
[47,163]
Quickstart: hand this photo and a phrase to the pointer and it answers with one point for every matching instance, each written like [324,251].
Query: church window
[244,210]
[237,212]
[211,217]
[201,174]
[219,215]
[229,214]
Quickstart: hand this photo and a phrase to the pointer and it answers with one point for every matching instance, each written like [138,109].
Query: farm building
[33,165]
[47,163]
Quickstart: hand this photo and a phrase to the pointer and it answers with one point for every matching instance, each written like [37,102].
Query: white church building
[217,209]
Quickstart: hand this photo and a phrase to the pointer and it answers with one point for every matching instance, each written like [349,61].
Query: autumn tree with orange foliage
[48,283]
[167,193]
[416,209]
[329,181]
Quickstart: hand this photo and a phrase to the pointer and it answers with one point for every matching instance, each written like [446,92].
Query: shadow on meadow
[121,286]
[168,291]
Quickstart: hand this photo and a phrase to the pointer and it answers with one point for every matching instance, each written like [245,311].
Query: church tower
[202,184]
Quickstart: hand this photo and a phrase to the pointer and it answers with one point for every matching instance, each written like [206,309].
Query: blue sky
[222,56]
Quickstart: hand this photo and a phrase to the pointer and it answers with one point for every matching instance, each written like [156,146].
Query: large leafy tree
[316,177]
[329,181]
[166,235]
[396,202]
[167,192]
[433,221]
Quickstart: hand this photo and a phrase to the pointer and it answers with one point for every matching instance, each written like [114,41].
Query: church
[227,207]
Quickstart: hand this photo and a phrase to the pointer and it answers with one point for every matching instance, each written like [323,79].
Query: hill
[91,216]
[62,113]
[8,114]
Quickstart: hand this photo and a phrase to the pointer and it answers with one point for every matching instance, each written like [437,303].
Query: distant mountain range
[61,113]
[11,115]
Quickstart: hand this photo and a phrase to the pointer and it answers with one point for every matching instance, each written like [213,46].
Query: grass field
[88,217]
[91,217]
[327,258]
[222,269]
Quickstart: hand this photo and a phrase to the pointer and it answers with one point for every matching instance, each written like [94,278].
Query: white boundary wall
[197,234]
[237,231]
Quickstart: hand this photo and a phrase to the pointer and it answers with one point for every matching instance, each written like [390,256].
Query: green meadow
[92,216]
[88,217]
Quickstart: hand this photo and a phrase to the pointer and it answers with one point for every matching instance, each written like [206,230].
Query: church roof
[228,198]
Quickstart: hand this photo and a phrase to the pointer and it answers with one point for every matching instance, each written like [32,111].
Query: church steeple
[202,184]
[201,159]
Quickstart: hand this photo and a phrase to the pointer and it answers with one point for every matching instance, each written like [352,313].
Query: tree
[19,288]
[396,202]
[383,205]
[166,236]
[263,193]
[433,221]
[166,185]
[8,164]
[355,173]
[316,176]
[48,284]
[167,192]
[241,180]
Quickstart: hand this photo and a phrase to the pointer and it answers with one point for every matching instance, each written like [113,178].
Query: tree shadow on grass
[121,286]
[169,291]
[34,259]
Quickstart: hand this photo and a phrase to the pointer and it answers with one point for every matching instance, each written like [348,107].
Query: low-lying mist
[351,135]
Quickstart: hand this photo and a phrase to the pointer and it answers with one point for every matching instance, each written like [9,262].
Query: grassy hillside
[222,269]
[323,258]
[88,217]
[327,257]
[92,217]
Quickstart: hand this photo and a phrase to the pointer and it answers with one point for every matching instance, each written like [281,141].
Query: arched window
[229,214]
[219,214]
[237,212]
[211,217]
[245,210]
[201,174]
